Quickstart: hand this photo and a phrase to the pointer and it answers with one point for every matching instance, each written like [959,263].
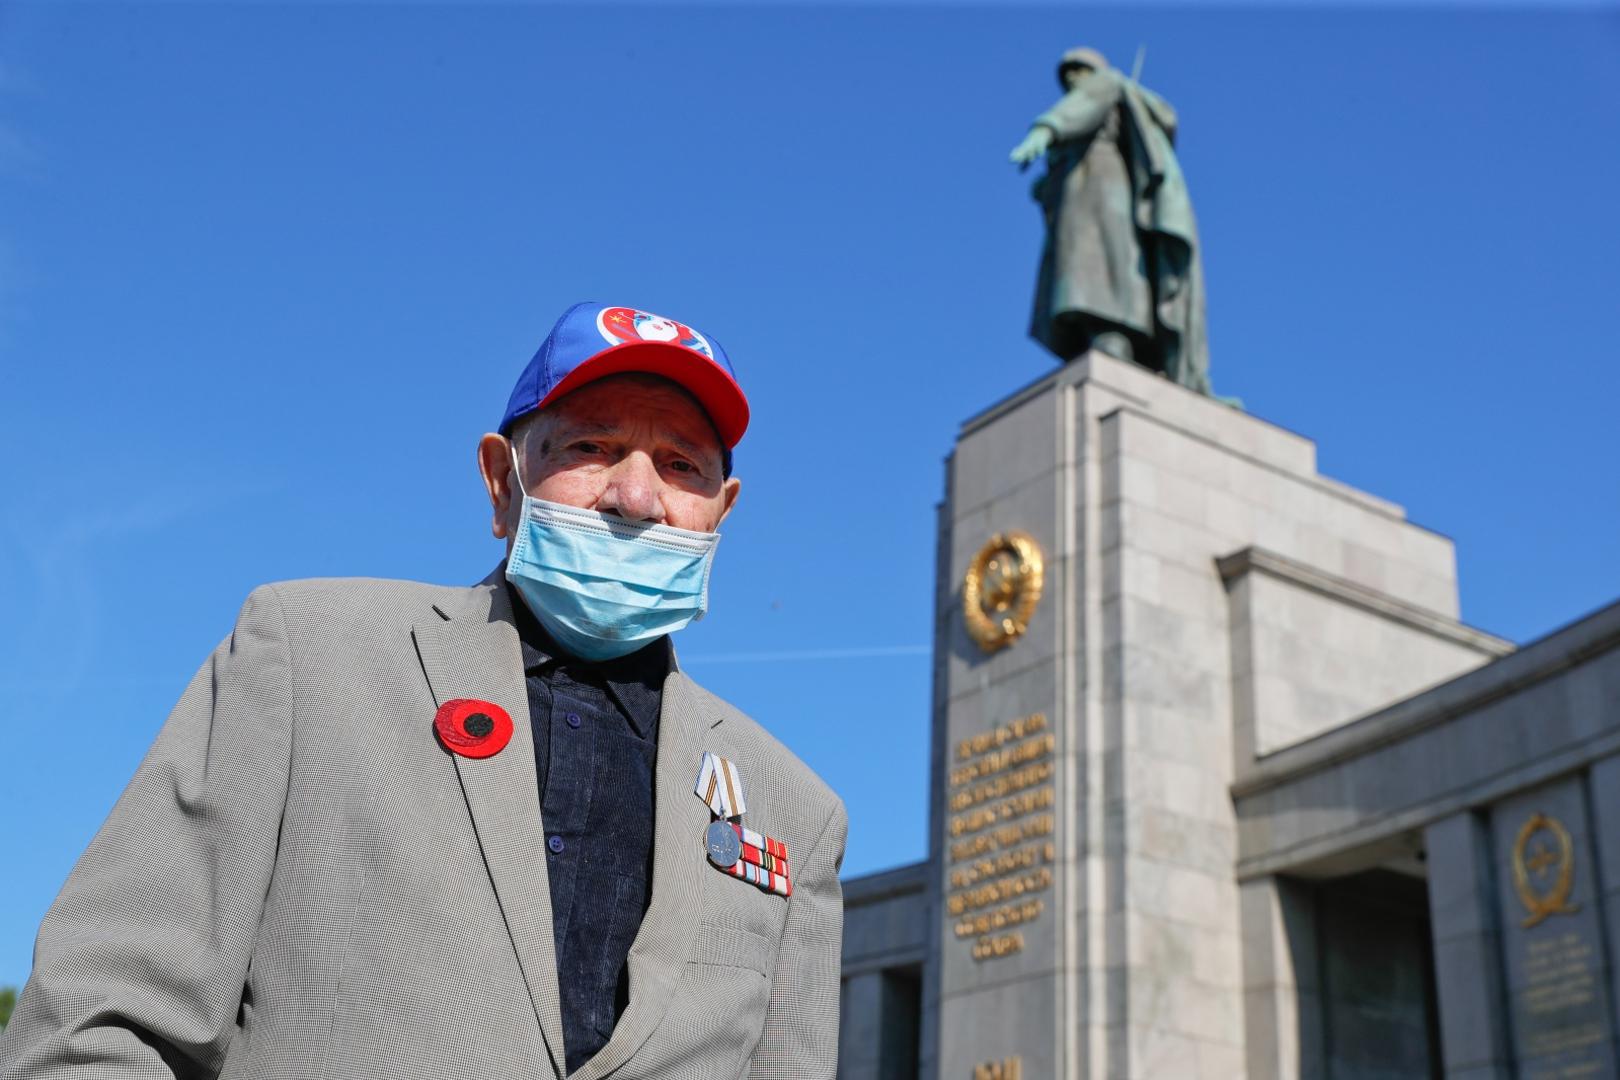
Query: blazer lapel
[474,653]
[659,954]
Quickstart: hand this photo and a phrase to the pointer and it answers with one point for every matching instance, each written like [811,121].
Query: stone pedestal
[1207,599]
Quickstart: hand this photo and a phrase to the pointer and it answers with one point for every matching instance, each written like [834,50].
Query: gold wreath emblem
[1544,874]
[1001,589]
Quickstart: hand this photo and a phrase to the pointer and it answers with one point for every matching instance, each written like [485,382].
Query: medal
[733,847]
[723,845]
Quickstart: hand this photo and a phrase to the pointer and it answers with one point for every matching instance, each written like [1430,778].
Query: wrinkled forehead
[616,404]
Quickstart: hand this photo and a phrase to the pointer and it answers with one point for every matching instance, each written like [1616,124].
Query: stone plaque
[1553,951]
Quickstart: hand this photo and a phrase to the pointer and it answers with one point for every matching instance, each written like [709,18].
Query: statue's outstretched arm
[1034,145]
[1077,114]
[1084,109]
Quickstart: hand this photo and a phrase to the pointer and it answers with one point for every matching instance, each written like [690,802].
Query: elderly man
[401,830]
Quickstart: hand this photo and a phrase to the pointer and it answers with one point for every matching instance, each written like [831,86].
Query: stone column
[1604,786]
[861,1031]
[1467,947]
[1282,1007]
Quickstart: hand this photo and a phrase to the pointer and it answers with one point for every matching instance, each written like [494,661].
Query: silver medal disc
[723,844]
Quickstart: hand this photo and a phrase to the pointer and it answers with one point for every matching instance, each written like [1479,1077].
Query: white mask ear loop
[516,473]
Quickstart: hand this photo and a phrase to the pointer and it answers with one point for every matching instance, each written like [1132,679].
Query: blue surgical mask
[603,586]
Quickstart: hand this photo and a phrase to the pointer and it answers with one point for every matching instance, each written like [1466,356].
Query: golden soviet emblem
[1544,868]
[1001,589]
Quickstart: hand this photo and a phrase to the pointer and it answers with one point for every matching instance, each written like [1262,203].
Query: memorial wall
[1133,586]
[1553,951]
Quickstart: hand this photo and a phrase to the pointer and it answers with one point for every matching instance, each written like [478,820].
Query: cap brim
[701,377]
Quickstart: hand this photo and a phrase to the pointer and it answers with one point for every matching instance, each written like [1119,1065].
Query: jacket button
[555,844]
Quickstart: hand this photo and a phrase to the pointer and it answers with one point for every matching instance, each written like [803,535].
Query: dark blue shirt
[595,746]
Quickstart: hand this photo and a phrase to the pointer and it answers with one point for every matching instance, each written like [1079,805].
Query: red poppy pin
[473,728]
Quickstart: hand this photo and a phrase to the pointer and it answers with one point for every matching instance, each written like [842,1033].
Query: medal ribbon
[720,785]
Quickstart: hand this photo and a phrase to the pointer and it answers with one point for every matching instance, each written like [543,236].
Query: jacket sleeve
[800,1039]
[141,961]
[1082,110]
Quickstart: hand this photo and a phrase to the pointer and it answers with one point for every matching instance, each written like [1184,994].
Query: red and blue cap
[594,340]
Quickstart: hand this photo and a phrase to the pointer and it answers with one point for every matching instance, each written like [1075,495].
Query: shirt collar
[635,681]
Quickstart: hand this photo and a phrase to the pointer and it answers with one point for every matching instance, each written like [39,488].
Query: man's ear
[729,489]
[495,466]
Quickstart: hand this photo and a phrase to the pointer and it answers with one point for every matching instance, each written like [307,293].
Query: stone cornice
[1542,659]
[1260,560]
[912,878]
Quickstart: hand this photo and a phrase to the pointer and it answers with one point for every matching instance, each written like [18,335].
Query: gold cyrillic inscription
[1029,776]
[1004,837]
[1002,781]
[999,918]
[1560,992]
[1006,1069]
[997,891]
[991,946]
[1028,750]
[1006,863]
[1005,810]
[991,740]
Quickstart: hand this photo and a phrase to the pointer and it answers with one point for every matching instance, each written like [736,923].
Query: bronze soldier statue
[1120,271]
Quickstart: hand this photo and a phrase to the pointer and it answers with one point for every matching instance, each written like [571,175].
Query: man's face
[633,445]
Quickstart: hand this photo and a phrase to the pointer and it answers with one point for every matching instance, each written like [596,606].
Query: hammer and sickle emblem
[1001,588]
[1544,869]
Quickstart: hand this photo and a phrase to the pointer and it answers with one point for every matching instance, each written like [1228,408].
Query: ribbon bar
[765,879]
[762,851]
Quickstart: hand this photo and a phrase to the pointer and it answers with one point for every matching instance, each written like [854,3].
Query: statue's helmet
[1081,57]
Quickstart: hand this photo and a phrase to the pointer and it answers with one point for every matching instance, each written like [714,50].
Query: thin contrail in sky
[807,654]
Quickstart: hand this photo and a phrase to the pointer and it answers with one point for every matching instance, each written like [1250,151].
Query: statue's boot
[1115,344]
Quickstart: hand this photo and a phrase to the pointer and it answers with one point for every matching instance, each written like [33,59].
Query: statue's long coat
[1121,240]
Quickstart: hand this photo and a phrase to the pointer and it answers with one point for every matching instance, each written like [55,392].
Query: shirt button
[555,844]
[573,719]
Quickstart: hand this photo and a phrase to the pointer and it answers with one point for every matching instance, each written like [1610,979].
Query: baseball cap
[593,340]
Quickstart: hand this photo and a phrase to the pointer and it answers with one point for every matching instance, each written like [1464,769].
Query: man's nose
[633,490]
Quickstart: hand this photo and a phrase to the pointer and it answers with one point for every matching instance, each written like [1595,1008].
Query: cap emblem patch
[621,324]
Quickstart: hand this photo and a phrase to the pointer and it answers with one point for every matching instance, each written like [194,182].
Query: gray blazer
[301,882]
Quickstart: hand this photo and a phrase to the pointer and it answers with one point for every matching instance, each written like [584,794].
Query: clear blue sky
[267,272]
